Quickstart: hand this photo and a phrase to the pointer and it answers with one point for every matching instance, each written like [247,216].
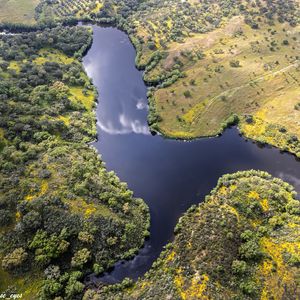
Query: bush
[234,64]
[74,286]
[187,94]
[15,259]
[250,250]
[80,258]
[239,267]
[5,217]
[248,288]
[293,207]
[151,46]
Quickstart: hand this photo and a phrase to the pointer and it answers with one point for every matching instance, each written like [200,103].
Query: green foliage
[234,64]
[15,259]
[47,247]
[74,286]
[239,267]
[80,258]
[58,203]
[293,207]
[51,181]
[248,288]
[250,250]
[221,251]
[187,94]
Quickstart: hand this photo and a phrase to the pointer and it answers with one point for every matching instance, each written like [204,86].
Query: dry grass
[18,11]
[266,80]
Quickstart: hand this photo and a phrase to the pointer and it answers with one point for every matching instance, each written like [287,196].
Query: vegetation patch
[62,215]
[237,244]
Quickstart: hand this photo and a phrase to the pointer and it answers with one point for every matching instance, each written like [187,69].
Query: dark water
[169,175]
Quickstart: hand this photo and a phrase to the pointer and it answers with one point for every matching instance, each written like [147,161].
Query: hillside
[242,242]
[222,62]
[61,213]
[211,63]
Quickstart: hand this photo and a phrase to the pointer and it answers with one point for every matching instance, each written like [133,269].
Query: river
[169,175]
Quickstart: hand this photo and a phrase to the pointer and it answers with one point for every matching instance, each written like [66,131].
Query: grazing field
[243,71]
[18,11]
[241,243]
[213,66]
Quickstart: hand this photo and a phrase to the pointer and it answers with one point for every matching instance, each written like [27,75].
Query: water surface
[169,175]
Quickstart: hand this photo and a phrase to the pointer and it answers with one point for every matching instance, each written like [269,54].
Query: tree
[80,258]
[74,286]
[239,267]
[47,247]
[15,259]
[285,42]
[5,217]
[187,94]
[250,250]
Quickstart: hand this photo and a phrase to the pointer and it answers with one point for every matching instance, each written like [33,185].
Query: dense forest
[61,213]
[242,242]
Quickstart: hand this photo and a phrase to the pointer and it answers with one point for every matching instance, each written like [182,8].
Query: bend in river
[169,175]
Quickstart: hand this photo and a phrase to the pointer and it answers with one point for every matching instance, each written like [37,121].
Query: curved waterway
[169,175]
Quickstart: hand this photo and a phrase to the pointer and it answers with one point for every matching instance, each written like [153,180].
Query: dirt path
[232,91]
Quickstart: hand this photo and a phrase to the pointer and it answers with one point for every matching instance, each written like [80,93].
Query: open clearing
[16,11]
[243,71]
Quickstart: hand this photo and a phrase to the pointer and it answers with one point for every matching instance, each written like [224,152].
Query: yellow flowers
[43,190]
[277,270]
[196,287]
[253,194]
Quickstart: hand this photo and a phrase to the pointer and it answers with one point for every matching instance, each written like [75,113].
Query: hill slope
[241,243]
[211,63]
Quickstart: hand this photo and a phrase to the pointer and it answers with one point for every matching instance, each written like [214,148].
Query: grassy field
[266,79]
[18,11]
[242,71]
[206,73]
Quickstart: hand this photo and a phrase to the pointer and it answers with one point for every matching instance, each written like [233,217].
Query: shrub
[5,217]
[80,258]
[187,94]
[234,64]
[248,288]
[15,259]
[239,267]
[293,207]
[250,250]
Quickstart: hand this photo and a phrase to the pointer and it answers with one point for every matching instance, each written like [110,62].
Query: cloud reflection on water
[291,179]
[127,126]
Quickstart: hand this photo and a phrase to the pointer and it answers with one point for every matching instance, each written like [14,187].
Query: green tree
[14,259]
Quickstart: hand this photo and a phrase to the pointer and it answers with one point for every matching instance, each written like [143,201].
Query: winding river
[169,175]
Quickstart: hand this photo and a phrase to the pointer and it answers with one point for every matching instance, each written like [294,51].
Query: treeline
[62,214]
